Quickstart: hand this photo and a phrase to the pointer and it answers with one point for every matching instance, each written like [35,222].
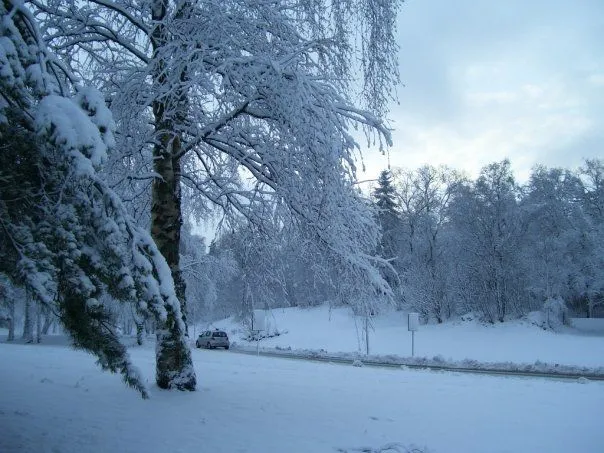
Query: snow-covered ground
[54,399]
[336,330]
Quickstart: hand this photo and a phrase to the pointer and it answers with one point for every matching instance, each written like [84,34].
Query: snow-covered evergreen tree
[66,236]
[385,199]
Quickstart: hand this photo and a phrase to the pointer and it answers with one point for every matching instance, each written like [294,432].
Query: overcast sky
[490,79]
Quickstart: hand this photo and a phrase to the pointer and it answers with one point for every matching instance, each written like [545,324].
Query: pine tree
[385,193]
[388,219]
[388,216]
[66,237]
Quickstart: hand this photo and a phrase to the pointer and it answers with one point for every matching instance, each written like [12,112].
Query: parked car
[211,339]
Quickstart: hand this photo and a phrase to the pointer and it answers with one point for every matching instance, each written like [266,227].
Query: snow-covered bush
[255,335]
[555,313]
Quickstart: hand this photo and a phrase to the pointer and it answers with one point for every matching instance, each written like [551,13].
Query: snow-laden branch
[72,240]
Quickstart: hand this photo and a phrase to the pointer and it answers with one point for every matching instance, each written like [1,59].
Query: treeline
[450,245]
[454,245]
[492,245]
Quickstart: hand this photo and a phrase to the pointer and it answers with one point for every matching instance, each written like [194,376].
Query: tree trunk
[11,321]
[166,215]
[38,323]
[48,319]
[127,326]
[174,365]
[28,331]
[149,326]
[140,328]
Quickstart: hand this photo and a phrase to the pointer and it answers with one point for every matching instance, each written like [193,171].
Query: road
[407,364]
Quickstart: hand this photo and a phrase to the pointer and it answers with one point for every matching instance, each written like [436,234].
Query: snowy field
[54,399]
[519,341]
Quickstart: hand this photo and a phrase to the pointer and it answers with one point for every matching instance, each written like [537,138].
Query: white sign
[413,322]
[259,320]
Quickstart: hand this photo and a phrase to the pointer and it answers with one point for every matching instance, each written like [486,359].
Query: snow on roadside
[518,342]
[437,362]
[56,399]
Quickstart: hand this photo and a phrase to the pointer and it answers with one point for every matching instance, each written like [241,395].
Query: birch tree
[243,104]
[554,221]
[488,229]
[590,254]
[425,196]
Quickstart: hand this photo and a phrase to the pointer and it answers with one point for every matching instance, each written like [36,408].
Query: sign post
[258,325]
[412,326]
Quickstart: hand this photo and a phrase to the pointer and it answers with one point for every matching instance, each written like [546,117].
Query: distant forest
[454,245]
[451,246]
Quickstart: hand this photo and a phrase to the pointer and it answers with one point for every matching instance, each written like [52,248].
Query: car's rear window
[219,334]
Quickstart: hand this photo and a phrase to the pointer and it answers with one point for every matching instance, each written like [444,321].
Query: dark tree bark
[48,320]
[28,332]
[38,323]
[174,368]
[140,328]
[11,321]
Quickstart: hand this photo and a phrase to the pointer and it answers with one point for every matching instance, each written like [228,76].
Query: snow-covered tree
[259,281]
[28,320]
[590,249]
[592,176]
[388,218]
[245,104]
[425,196]
[7,305]
[66,236]
[562,251]
[488,230]
[554,221]
[204,273]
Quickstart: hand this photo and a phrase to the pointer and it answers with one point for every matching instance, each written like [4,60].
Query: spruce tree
[388,219]
[64,234]
[385,200]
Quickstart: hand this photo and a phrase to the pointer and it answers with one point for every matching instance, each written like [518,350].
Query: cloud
[484,82]
[597,80]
